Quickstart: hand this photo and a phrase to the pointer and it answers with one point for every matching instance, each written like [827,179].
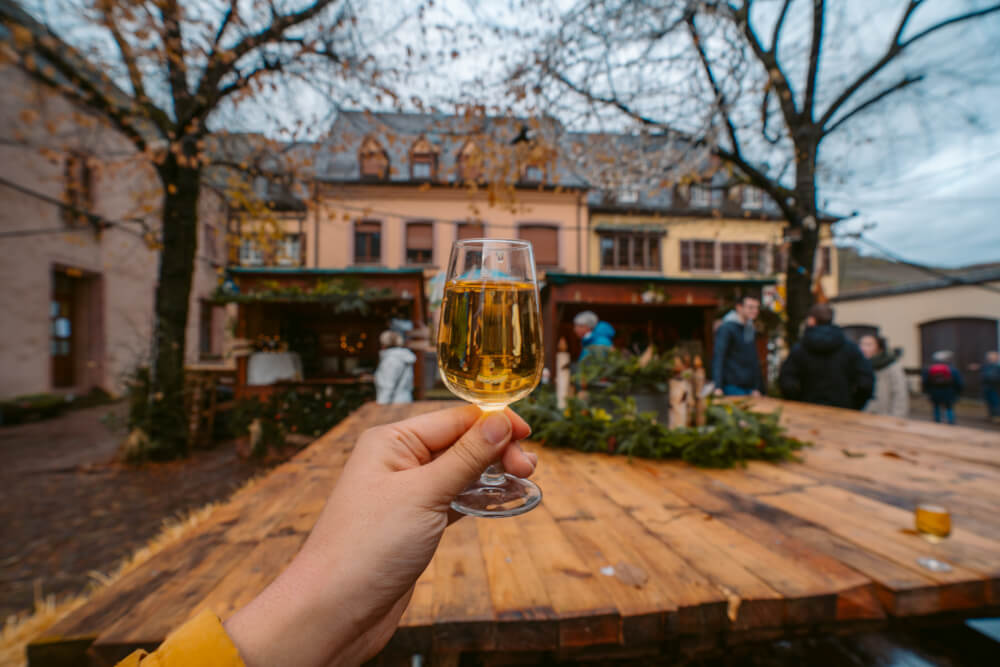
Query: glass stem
[494,475]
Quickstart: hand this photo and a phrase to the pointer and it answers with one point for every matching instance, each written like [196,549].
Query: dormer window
[533,174]
[423,160]
[628,194]
[374,160]
[470,162]
[753,198]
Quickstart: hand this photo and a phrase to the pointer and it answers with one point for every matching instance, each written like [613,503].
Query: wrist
[296,619]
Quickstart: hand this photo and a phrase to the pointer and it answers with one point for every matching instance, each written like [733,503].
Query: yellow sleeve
[201,642]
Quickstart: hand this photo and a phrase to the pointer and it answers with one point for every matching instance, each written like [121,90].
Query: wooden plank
[151,619]
[585,610]
[462,609]
[751,603]
[244,582]
[812,584]
[526,620]
[692,603]
[959,589]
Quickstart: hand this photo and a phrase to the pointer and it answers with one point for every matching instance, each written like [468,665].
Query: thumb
[460,465]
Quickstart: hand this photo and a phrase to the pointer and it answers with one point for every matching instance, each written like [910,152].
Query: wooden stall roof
[619,553]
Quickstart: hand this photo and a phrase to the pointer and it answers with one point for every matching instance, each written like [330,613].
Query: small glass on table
[490,352]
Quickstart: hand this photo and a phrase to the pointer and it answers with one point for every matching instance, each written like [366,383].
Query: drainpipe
[579,232]
[315,199]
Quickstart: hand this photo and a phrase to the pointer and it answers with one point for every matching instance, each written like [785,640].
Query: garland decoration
[732,435]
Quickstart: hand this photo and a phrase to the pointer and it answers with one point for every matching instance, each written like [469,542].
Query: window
[533,174]
[79,195]
[470,230]
[698,256]
[420,243]
[423,160]
[743,257]
[250,253]
[780,259]
[825,261]
[544,241]
[210,323]
[628,194]
[705,197]
[753,197]
[630,251]
[374,160]
[421,170]
[290,250]
[368,242]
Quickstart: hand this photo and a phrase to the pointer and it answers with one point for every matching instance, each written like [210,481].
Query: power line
[97,222]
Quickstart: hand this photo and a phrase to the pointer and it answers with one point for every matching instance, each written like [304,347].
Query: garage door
[969,338]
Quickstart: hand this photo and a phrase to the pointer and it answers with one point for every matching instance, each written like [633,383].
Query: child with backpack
[942,384]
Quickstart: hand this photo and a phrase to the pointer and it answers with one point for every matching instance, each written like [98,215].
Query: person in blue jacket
[593,333]
[735,364]
[943,384]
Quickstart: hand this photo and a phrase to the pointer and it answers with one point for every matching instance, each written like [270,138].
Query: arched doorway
[969,338]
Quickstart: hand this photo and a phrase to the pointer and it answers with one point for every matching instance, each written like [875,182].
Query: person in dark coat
[943,384]
[735,364]
[825,367]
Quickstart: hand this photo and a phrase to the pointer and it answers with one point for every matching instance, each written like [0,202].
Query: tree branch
[894,49]
[226,18]
[221,62]
[819,12]
[778,80]
[777,27]
[720,99]
[173,44]
[754,175]
[81,90]
[128,57]
[903,83]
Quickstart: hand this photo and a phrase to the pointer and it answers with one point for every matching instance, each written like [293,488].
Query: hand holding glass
[490,351]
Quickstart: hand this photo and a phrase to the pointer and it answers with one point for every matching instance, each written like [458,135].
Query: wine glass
[490,352]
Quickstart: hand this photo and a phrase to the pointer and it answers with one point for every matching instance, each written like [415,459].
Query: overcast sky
[923,175]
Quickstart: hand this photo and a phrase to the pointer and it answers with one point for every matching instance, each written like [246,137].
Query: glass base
[509,496]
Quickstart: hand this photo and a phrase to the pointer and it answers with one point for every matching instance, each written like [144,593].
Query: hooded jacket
[828,369]
[735,360]
[601,336]
[394,376]
[892,394]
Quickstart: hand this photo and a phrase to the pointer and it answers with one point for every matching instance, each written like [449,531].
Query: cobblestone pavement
[67,509]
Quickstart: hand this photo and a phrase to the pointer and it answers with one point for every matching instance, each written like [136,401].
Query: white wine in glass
[490,352]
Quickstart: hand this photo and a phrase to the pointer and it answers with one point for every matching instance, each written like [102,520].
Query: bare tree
[753,82]
[159,72]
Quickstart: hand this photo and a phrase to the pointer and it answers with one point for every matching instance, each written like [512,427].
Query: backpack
[939,375]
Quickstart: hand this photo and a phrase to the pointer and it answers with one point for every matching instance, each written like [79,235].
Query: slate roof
[336,158]
[976,276]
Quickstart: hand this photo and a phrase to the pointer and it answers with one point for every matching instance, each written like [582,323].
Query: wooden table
[620,557]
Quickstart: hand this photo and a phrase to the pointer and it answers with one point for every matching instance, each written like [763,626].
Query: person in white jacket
[892,395]
[394,375]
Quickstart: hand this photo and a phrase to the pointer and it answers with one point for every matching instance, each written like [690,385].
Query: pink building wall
[396,205]
[118,268]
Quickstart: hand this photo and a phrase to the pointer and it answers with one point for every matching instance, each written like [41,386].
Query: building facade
[79,289]
[960,313]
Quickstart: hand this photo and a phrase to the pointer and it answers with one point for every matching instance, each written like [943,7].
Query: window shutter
[369,226]
[420,236]
[686,255]
[545,242]
[470,230]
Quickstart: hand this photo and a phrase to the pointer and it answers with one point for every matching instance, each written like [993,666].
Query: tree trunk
[168,428]
[799,275]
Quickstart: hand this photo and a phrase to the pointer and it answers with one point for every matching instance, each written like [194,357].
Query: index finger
[439,430]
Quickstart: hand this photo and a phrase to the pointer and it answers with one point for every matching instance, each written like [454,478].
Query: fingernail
[533,458]
[496,428]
